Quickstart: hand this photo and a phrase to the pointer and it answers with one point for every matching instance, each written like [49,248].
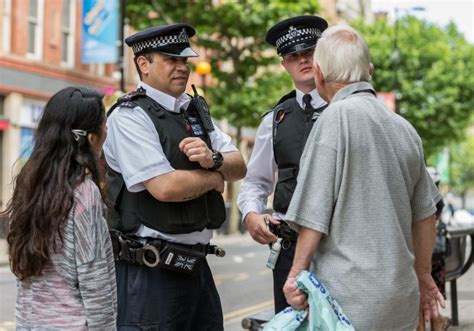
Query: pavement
[465,288]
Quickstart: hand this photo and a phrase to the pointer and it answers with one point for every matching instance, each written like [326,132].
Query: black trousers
[280,274]
[155,299]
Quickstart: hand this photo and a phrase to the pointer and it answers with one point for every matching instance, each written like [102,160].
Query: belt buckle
[148,247]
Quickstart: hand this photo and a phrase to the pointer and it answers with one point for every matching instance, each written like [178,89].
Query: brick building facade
[40,53]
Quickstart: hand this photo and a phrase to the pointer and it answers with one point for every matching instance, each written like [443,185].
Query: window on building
[35,28]
[6,10]
[67,32]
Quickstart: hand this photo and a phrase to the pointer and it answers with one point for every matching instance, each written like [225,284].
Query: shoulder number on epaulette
[131,96]
[127,104]
[127,100]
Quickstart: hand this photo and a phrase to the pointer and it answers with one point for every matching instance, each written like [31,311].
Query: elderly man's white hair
[342,55]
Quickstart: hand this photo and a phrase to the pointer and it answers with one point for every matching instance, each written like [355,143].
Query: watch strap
[218,160]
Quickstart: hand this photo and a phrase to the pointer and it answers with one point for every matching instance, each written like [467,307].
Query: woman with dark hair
[59,245]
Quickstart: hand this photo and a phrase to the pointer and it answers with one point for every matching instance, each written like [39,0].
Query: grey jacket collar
[350,89]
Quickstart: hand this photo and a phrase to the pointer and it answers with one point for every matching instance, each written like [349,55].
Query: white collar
[316,100]
[169,102]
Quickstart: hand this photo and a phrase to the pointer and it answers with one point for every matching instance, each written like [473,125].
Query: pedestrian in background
[364,204]
[58,240]
[167,163]
[279,143]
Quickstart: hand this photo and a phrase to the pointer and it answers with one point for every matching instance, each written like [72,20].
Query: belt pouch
[180,259]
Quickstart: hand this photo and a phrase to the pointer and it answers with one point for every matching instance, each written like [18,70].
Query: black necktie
[308,109]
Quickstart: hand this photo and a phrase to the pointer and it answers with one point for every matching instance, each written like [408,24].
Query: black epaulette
[127,100]
[140,92]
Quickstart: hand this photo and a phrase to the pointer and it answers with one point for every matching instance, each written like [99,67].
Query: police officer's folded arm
[234,167]
[182,185]
[230,164]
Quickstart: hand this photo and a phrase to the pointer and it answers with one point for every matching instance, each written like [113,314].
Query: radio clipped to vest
[199,104]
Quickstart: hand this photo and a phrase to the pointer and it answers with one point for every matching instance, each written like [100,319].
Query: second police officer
[279,144]
[167,164]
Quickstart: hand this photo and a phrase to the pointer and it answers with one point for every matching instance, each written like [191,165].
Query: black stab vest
[291,127]
[132,209]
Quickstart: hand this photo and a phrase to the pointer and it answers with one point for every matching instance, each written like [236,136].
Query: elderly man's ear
[318,75]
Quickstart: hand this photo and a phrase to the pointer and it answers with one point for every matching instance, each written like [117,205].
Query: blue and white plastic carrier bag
[325,312]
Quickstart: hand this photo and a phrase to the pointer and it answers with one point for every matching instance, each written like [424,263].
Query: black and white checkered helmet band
[295,35]
[181,38]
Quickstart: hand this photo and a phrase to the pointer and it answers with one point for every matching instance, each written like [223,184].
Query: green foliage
[435,75]
[462,165]
[248,80]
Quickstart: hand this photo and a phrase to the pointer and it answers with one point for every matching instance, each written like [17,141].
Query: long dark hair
[44,189]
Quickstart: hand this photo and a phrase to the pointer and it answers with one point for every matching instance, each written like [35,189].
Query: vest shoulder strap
[281,109]
[139,98]
[287,96]
[279,113]
[127,100]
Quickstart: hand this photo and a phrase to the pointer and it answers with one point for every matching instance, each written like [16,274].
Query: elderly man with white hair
[364,205]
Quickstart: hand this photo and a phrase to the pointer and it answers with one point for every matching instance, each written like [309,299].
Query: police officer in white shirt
[166,167]
[279,144]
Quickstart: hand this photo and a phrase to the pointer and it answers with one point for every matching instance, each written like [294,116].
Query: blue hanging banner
[100,19]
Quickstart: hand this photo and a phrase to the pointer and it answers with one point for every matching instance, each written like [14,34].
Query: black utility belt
[152,252]
[283,231]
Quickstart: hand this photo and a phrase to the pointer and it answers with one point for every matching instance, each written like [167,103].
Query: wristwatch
[218,160]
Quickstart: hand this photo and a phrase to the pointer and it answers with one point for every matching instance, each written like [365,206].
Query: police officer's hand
[258,228]
[197,151]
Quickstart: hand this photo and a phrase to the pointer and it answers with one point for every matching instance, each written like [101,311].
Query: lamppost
[396,49]
[120,63]
[203,69]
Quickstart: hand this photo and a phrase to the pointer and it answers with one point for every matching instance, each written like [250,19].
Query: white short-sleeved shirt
[261,169]
[133,149]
